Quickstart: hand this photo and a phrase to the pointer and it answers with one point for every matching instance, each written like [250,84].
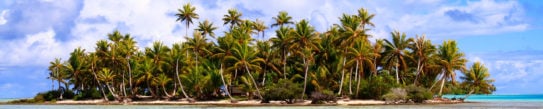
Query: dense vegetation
[297,63]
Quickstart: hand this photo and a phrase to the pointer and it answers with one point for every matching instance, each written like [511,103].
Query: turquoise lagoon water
[477,102]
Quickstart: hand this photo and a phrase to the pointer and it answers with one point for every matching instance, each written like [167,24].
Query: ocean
[475,101]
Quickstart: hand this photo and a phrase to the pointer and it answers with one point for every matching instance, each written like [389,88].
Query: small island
[296,66]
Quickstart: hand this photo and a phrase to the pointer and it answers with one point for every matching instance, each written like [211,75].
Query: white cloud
[514,72]
[35,49]
[2,19]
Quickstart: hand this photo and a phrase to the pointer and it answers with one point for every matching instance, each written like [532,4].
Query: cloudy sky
[504,35]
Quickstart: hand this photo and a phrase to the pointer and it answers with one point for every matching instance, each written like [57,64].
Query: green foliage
[375,87]
[88,94]
[284,90]
[418,94]
[322,97]
[395,94]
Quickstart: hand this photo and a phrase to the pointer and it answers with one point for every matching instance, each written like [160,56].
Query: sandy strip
[219,102]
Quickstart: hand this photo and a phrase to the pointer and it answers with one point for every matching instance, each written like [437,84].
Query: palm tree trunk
[111,91]
[225,86]
[165,92]
[397,77]
[342,77]
[350,81]
[358,79]
[130,76]
[254,82]
[178,79]
[418,72]
[99,84]
[442,84]
[123,86]
[284,64]
[472,90]
[305,77]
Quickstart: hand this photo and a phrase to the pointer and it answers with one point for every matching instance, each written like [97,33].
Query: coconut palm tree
[422,50]
[233,18]
[395,52]
[206,28]
[197,44]
[187,15]
[224,49]
[162,80]
[363,57]
[365,18]
[107,77]
[477,80]
[305,40]
[245,57]
[282,42]
[260,27]
[57,72]
[76,67]
[177,54]
[282,19]
[450,59]
[93,59]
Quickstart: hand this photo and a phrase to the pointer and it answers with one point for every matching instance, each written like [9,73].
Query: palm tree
[363,57]
[351,32]
[282,19]
[197,44]
[305,40]
[282,42]
[187,14]
[365,18]
[176,53]
[259,26]
[162,80]
[422,49]
[395,52]
[75,66]
[224,49]
[56,67]
[450,59]
[477,79]
[93,59]
[233,18]
[245,57]
[206,28]
[107,76]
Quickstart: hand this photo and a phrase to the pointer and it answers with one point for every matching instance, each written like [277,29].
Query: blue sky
[504,35]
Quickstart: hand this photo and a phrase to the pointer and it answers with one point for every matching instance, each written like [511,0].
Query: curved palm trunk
[178,79]
[225,86]
[342,77]
[166,92]
[418,71]
[99,85]
[470,92]
[305,77]
[112,92]
[254,82]
[442,84]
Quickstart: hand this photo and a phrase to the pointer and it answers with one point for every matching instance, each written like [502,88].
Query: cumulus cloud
[516,71]
[2,19]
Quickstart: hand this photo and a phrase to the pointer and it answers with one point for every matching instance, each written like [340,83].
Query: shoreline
[247,103]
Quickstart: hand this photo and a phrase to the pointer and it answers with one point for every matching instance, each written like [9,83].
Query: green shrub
[88,94]
[323,96]
[375,87]
[396,94]
[284,90]
[418,94]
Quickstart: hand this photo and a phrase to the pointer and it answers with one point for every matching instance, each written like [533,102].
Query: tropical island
[299,65]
